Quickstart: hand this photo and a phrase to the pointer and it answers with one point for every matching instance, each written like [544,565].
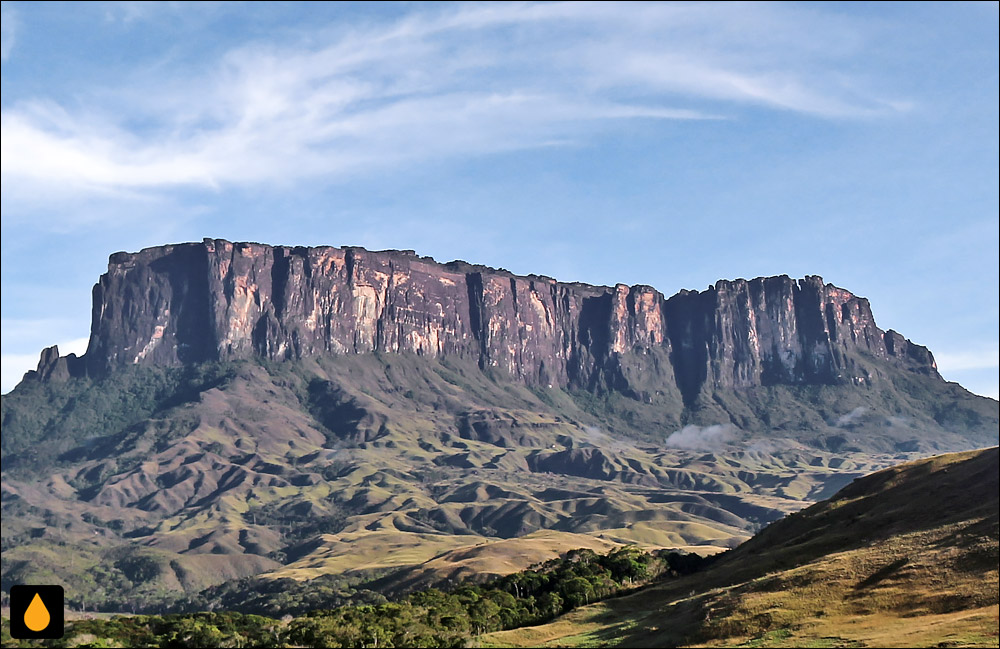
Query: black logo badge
[36,612]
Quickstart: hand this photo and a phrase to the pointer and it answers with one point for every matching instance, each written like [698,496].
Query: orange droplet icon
[37,616]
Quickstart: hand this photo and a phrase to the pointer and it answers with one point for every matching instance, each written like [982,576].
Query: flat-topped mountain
[292,413]
[218,300]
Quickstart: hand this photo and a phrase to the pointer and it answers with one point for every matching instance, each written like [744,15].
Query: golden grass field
[920,572]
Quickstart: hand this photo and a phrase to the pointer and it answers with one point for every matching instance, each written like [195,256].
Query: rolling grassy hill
[136,488]
[904,557]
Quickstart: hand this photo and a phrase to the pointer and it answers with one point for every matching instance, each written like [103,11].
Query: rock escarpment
[214,300]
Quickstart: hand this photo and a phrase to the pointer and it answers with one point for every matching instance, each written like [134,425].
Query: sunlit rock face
[221,300]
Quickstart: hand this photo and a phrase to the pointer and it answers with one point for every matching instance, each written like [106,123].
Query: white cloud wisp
[474,80]
[698,438]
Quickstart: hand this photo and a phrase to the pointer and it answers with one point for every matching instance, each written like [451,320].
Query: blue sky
[664,144]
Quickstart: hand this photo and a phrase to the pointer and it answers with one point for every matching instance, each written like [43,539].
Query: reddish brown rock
[220,300]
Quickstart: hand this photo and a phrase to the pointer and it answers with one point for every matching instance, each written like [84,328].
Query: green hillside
[905,557]
[153,483]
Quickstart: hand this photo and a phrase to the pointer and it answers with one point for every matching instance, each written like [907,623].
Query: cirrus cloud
[434,84]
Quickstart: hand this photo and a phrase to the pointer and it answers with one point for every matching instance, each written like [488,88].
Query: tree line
[426,618]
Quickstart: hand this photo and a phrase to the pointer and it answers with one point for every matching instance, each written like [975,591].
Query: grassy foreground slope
[904,557]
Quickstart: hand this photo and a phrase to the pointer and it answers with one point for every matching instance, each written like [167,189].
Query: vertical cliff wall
[776,330]
[221,300]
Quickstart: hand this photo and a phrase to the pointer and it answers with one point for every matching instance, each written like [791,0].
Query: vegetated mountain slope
[905,557]
[246,409]
[490,559]
[353,464]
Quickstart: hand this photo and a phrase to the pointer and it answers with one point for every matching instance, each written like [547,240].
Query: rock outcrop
[213,300]
[55,368]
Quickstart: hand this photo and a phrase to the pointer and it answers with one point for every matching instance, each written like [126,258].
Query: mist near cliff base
[852,417]
[698,438]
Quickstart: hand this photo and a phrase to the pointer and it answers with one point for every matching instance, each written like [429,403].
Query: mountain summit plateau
[218,300]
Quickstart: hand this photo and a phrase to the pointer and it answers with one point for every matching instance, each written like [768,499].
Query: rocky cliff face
[220,300]
[776,330]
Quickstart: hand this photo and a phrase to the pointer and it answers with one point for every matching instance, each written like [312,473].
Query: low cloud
[697,438]
[852,416]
